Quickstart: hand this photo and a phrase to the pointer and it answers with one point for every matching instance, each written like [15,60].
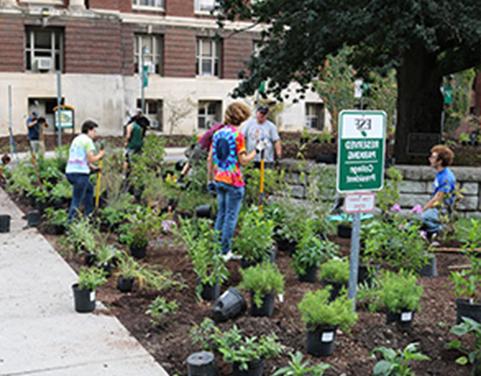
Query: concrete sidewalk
[40,333]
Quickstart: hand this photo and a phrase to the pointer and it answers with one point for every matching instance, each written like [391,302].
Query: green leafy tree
[423,40]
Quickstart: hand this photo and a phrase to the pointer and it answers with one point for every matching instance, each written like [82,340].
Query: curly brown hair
[445,154]
[236,113]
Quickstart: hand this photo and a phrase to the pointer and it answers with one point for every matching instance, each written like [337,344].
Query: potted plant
[322,318]
[205,254]
[84,291]
[290,230]
[472,354]
[335,272]
[400,294]
[467,287]
[263,281]
[397,362]
[298,367]
[128,270]
[106,258]
[254,242]
[310,253]
[55,220]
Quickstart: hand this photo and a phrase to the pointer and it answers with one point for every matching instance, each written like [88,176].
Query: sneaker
[228,256]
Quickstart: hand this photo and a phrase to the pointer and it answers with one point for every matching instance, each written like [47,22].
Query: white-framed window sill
[42,2]
[147,8]
[207,77]
[204,13]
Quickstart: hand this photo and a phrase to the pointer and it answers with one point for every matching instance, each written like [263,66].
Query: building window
[151,4]
[314,116]
[154,112]
[151,45]
[209,113]
[208,56]
[205,6]
[44,50]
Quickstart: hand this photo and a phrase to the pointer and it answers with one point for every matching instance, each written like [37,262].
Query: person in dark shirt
[34,126]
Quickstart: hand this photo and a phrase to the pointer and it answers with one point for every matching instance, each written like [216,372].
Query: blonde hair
[236,113]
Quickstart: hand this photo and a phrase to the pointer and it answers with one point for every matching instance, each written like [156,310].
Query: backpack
[205,141]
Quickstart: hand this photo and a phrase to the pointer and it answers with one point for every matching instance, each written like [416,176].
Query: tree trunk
[477,94]
[419,104]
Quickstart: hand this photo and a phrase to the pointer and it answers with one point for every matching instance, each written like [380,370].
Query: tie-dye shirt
[227,144]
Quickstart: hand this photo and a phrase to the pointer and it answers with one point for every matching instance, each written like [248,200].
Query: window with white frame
[205,6]
[150,46]
[154,112]
[207,57]
[209,112]
[43,49]
[152,4]
[314,116]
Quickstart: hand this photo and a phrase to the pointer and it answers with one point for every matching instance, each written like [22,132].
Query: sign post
[360,170]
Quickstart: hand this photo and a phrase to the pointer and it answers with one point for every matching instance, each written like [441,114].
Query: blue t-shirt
[445,182]
[33,132]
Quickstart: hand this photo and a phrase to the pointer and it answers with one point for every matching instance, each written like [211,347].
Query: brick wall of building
[179,8]
[94,46]
[127,47]
[179,52]
[12,35]
[237,50]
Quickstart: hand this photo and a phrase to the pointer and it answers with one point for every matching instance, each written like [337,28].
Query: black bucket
[403,319]
[203,211]
[321,342]
[466,309]
[310,275]
[125,284]
[201,364]
[138,252]
[5,223]
[210,293]
[229,305]
[34,218]
[267,307]
[84,299]
[256,368]
[430,270]
[344,231]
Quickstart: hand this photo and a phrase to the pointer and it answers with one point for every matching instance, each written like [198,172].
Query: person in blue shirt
[34,126]
[442,199]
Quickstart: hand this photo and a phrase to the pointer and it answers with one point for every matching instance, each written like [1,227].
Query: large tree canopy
[422,39]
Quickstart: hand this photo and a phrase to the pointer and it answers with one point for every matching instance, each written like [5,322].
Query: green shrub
[298,367]
[261,280]
[159,309]
[254,241]
[317,311]
[128,267]
[61,191]
[82,236]
[312,252]
[467,283]
[335,271]
[56,217]
[91,278]
[292,227]
[471,354]
[400,291]
[397,362]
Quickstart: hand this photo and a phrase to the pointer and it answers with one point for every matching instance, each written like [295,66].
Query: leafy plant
[291,228]
[254,241]
[118,209]
[156,280]
[470,355]
[82,236]
[56,217]
[400,291]
[389,195]
[298,367]
[128,267]
[335,271]
[142,224]
[106,254]
[274,181]
[61,191]
[91,278]
[396,362]
[467,283]
[160,308]
[261,280]
[312,252]
[317,311]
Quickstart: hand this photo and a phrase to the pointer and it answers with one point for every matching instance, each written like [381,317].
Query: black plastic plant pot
[210,293]
[229,305]
[248,263]
[125,284]
[201,364]
[34,218]
[363,274]
[310,275]
[256,368]
[430,270]
[84,299]
[267,307]
[5,223]
[285,245]
[321,342]
[344,231]
[138,252]
[335,289]
[403,319]
[90,259]
[203,211]
[467,308]
[56,229]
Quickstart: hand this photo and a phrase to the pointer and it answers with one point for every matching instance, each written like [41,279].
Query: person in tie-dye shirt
[227,154]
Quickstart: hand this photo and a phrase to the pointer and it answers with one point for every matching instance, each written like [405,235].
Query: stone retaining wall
[416,187]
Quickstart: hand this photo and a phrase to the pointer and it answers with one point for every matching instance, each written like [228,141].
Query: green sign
[361,140]
[64,118]
[145,75]
[448,94]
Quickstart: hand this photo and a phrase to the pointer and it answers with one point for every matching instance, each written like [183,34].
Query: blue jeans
[229,201]
[83,191]
[430,219]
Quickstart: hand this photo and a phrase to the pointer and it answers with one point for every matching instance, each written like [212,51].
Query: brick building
[99,47]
